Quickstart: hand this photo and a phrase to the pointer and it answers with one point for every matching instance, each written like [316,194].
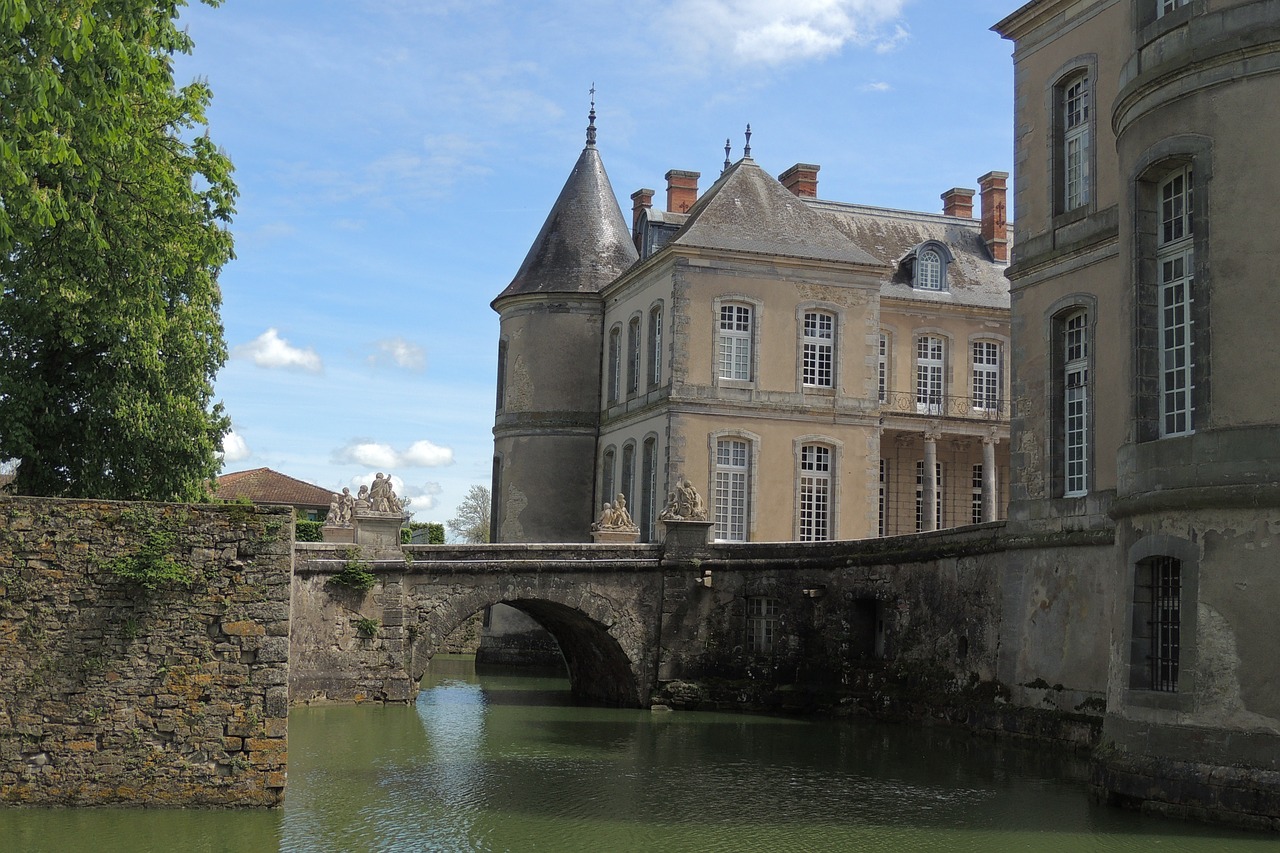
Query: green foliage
[471,524]
[153,564]
[435,532]
[366,627]
[112,235]
[308,531]
[355,576]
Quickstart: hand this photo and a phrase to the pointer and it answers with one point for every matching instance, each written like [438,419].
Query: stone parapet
[113,693]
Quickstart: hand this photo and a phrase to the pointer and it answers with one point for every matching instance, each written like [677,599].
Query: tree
[112,215]
[471,524]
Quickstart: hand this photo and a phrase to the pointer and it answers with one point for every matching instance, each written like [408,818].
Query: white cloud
[421,454]
[270,350]
[772,33]
[400,352]
[234,447]
[878,86]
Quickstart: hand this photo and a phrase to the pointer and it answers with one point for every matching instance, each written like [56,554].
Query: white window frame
[735,322]
[1075,403]
[627,483]
[818,349]
[732,488]
[975,499]
[608,474]
[931,372]
[613,368]
[882,524]
[930,266]
[762,623]
[633,355]
[987,371]
[814,483]
[646,513]
[1175,272]
[1164,7]
[1075,107]
[655,345]
[882,369]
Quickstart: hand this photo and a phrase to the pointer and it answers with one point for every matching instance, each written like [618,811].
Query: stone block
[243,629]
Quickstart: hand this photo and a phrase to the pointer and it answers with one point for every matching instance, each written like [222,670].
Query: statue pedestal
[378,529]
[337,533]
[624,537]
[685,539]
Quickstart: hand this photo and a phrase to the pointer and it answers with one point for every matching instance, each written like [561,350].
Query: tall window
[882,523]
[614,378]
[975,500]
[929,270]
[819,340]
[1175,268]
[648,489]
[762,624]
[1074,119]
[930,352]
[608,485]
[1075,403]
[937,473]
[628,486]
[986,375]
[655,346]
[813,496]
[882,368]
[1158,623]
[735,342]
[732,477]
[1164,7]
[633,355]
[502,375]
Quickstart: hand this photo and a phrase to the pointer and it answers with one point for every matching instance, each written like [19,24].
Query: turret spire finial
[746,150]
[591,119]
[726,157]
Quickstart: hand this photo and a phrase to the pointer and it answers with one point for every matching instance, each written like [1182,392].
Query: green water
[505,763]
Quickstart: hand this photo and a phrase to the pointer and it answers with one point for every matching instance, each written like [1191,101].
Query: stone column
[929,483]
[989,477]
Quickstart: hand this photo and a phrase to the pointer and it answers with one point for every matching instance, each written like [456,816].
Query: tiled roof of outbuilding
[973,278]
[747,210]
[584,244]
[263,485]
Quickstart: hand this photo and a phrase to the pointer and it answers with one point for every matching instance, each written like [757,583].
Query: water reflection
[508,763]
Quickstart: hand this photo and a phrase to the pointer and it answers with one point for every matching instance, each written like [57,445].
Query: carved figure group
[614,516]
[684,504]
[380,497]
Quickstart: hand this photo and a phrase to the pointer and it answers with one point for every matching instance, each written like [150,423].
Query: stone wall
[112,693]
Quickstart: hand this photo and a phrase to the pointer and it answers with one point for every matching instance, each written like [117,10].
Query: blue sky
[396,158]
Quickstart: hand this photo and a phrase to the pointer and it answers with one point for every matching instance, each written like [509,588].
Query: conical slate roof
[584,244]
[747,210]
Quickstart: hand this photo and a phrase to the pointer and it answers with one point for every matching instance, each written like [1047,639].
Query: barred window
[762,624]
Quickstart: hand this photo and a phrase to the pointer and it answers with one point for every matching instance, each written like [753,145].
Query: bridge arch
[602,643]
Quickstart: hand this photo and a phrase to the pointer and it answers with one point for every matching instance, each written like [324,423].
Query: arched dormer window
[928,262]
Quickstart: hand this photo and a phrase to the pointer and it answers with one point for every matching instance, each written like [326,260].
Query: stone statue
[334,518]
[614,516]
[362,499]
[684,504]
[382,498]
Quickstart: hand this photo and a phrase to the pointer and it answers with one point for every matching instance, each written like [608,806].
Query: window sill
[1157,700]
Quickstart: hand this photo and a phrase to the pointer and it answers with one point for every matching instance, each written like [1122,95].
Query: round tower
[549,353]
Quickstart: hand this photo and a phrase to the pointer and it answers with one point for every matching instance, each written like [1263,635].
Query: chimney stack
[801,179]
[958,201]
[682,190]
[995,230]
[641,200]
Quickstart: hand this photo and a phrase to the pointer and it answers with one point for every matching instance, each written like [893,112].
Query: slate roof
[584,244]
[265,486]
[973,278]
[747,210]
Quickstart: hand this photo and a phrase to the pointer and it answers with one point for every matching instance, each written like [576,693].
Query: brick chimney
[958,201]
[641,200]
[682,190]
[801,179]
[995,220]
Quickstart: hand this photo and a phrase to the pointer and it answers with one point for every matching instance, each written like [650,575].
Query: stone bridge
[632,620]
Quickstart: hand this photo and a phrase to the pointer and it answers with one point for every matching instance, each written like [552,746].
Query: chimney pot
[958,201]
[682,190]
[995,222]
[801,179]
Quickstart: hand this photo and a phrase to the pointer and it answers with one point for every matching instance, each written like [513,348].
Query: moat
[505,762]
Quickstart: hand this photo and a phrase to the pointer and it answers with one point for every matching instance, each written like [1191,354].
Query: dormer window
[929,266]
